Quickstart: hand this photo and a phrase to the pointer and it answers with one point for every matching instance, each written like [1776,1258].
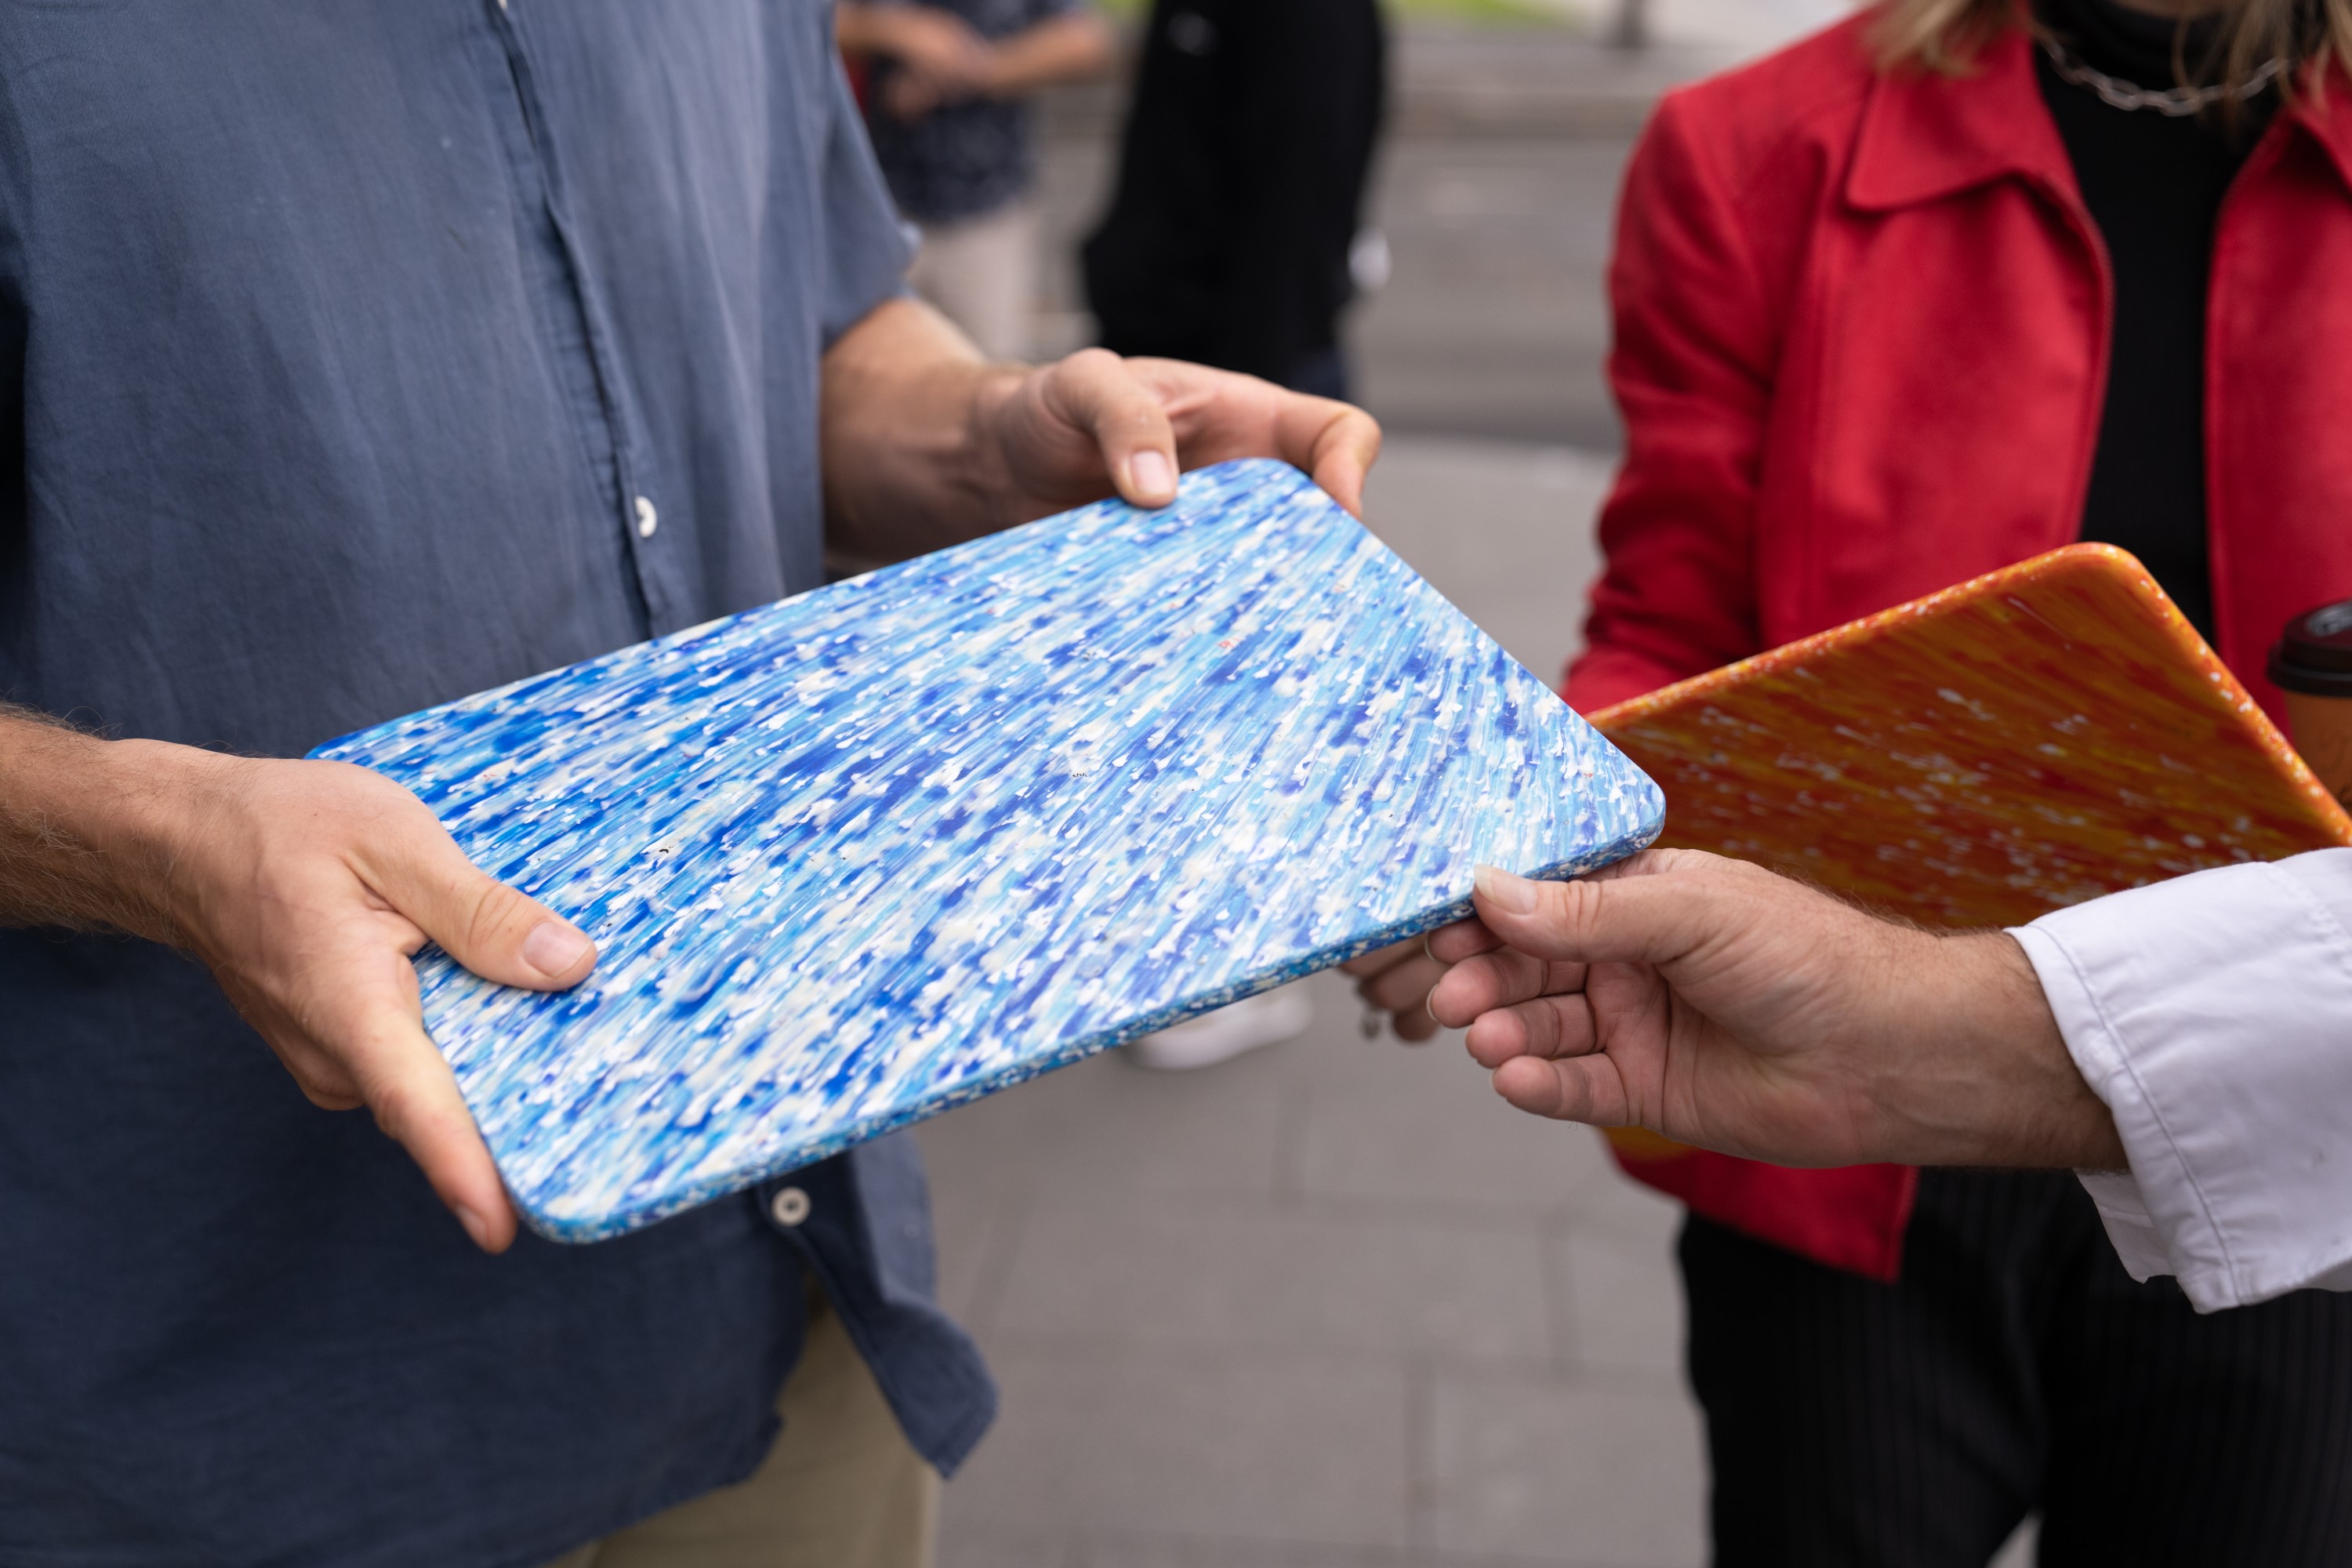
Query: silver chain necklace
[2174,101]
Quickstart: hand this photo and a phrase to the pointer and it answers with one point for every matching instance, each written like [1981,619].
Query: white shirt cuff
[2213,1014]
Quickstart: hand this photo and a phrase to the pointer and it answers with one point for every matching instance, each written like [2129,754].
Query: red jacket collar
[1926,135]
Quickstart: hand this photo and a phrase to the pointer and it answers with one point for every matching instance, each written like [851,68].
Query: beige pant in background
[981,274]
[841,1489]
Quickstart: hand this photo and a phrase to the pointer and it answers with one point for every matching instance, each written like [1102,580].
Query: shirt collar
[1926,135]
[2327,115]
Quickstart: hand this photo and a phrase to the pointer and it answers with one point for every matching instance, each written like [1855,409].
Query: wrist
[985,469]
[866,29]
[118,815]
[996,74]
[1991,1081]
[174,800]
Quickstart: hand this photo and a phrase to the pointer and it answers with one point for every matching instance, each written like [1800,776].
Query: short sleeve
[867,247]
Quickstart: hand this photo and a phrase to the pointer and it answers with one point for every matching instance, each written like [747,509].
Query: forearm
[909,462]
[924,443]
[866,29]
[1985,1078]
[81,827]
[1068,48]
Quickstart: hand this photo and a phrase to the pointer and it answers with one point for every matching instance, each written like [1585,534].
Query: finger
[376,1036]
[1581,1088]
[317,1072]
[1549,1027]
[408,1086]
[323,1080]
[1096,392]
[1334,442]
[481,922]
[1633,918]
[1503,978]
[1385,958]
[1655,863]
[1413,1025]
[1464,939]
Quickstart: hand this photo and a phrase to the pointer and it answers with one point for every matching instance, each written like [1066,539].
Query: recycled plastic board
[860,856]
[2021,742]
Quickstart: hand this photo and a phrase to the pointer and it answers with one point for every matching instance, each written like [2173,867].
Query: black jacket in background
[1240,184]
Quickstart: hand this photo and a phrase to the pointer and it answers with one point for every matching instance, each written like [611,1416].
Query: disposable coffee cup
[2312,663]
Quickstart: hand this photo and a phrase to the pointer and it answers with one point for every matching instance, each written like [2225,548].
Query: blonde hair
[1944,36]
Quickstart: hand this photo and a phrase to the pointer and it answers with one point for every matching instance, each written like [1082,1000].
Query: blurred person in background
[1240,187]
[946,95]
[1938,289]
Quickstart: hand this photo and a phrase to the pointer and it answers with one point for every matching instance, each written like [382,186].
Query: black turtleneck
[2154,186]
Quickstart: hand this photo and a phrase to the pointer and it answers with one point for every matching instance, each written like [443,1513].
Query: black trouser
[2016,1366]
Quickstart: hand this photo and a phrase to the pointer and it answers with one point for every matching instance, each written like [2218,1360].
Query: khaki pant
[981,274]
[841,1489]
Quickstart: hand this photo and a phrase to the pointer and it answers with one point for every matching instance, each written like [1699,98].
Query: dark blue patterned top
[963,160]
[346,353]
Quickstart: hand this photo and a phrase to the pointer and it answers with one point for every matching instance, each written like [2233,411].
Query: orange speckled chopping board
[2028,739]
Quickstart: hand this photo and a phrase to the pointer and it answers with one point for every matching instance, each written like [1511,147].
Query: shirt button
[789,1207]
[648,518]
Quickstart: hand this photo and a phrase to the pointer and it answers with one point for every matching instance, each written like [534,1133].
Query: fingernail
[474,1223]
[552,948]
[1513,895]
[1149,473]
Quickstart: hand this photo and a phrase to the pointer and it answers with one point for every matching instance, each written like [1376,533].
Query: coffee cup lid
[2313,653]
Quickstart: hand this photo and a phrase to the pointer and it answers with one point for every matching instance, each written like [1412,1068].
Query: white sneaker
[1230,1031]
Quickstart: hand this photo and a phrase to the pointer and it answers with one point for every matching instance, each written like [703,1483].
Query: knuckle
[322,1083]
[396,1118]
[1088,372]
[1576,906]
[498,912]
[326,1100]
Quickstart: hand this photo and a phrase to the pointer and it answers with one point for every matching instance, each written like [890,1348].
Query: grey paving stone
[1209,1551]
[1550,1468]
[1624,1208]
[1115,1126]
[1101,1126]
[1505,531]
[979,1183]
[1192,1273]
[971,1221]
[974,1547]
[1406,1127]
[1105,1123]
[1266,1449]
[1624,1302]
[1495,319]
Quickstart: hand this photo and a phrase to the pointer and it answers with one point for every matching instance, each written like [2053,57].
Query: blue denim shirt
[354,356]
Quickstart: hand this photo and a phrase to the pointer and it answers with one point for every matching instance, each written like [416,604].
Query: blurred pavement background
[1333,1305]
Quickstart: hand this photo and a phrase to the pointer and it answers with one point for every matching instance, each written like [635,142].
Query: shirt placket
[607,429]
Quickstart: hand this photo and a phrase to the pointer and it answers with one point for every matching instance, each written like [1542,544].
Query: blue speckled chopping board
[871,852]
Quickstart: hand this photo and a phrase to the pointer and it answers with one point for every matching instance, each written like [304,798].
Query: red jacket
[1861,338]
